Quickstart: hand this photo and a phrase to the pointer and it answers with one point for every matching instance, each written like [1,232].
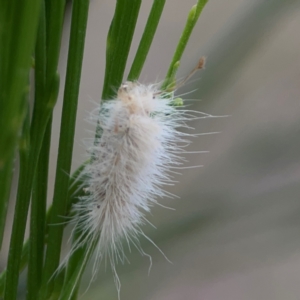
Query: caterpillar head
[137,97]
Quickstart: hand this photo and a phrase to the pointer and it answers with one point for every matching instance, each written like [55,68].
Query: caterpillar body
[131,162]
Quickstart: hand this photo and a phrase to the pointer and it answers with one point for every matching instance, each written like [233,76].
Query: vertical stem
[70,287]
[18,24]
[187,31]
[6,173]
[146,40]
[23,264]
[118,44]
[17,35]
[28,163]
[68,121]
[73,263]
[20,216]
[39,195]
[75,192]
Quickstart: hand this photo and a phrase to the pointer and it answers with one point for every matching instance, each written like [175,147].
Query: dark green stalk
[71,285]
[39,123]
[189,26]
[28,163]
[6,173]
[73,263]
[146,40]
[21,209]
[23,264]
[17,35]
[39,195]
[75,192]
[54,15]
[58,284]
[68,120]
[118,44]
[38,219]
[54,24]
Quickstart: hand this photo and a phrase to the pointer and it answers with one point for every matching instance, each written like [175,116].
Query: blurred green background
[235,231]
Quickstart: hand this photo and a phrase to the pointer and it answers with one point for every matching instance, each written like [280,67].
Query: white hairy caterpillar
[131,162]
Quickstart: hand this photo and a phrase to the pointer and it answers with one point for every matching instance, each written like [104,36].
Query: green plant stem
[68,121]
[75,192]
[39,122]
[37,222]
[171,84]
[54,23]
[17,35]
[23,264]
[73,263]
[146,40]
[39,195]
[58,284]
[38,219]
[28,162]
[54,12]
[21,209]
[118,44]
[189,26]
[6,173]
[71,285]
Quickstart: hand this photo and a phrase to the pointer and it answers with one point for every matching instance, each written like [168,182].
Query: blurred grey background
[235,231]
